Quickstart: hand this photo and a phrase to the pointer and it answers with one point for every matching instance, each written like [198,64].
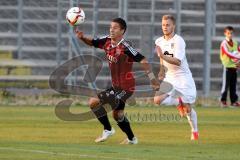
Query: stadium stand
[39,50]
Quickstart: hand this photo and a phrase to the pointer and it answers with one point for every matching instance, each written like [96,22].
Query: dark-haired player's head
[121,22]
[117,28]
[228,32]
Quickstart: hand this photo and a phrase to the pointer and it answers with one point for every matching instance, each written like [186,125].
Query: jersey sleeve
[179,51]
[157,43]
[132,53]
[99,42]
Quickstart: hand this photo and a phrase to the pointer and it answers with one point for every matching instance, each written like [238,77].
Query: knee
[118,115]
[187,108]
[157,100]
[93,102]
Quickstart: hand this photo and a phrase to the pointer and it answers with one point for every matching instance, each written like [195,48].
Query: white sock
[192,120]
[170,101]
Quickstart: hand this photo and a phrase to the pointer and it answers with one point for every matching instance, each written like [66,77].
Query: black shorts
[115,97]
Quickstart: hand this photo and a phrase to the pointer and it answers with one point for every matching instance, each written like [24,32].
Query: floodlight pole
[20,29]
[214,17]
[59,34]
[123,11]
[178,6]
[95,20]
[152,29]
[120,8]
[125,15]
[207,48]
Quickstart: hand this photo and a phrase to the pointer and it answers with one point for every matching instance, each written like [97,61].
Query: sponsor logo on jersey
[111,59]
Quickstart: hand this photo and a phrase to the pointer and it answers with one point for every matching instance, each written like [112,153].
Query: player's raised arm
[86,40]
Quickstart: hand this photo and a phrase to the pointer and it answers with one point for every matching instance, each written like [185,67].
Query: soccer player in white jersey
[171,51]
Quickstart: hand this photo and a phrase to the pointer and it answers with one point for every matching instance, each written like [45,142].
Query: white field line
[62,154]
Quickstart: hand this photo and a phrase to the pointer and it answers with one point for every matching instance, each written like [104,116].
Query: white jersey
[176,48]
[179,76]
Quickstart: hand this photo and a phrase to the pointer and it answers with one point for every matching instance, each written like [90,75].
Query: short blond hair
[168,16]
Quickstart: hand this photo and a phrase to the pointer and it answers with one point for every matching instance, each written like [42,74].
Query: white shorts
[184,87]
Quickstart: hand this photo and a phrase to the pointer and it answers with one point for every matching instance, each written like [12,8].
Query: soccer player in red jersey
[120,55]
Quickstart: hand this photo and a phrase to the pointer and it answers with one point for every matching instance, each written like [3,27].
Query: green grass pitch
[34,133]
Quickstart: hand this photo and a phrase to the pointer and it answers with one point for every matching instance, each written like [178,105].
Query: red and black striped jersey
[120,60]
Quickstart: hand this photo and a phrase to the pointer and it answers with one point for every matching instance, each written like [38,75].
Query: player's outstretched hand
[79,34]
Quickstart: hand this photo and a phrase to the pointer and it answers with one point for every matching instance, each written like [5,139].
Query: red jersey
[120,60]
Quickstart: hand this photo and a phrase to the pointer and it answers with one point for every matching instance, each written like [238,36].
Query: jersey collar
[113,46]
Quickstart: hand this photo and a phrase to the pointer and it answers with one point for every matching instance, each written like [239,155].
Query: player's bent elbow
[178,63]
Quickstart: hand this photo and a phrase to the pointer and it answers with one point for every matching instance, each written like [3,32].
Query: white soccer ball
[75,16]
